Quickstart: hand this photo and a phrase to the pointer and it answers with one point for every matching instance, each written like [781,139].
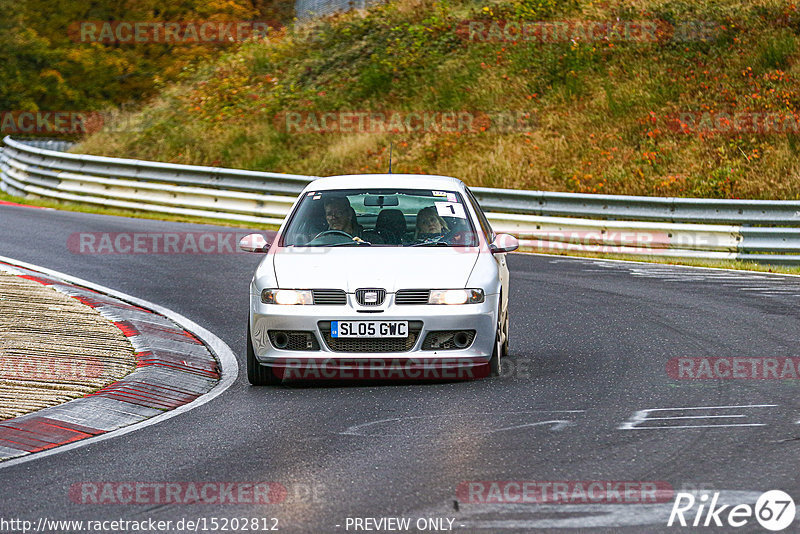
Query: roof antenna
[391,145]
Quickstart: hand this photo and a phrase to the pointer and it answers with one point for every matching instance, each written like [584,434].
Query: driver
[430,224]
[341,216]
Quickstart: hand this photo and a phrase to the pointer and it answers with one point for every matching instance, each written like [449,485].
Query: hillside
[50,62]
[679,98]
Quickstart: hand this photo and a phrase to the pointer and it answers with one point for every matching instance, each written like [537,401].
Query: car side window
[482,220]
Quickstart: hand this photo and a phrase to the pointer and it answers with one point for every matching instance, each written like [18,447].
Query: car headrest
[392,220]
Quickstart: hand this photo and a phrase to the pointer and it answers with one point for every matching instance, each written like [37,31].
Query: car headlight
[455,296]
[287,296]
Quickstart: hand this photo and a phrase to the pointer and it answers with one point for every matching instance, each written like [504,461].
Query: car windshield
[380,217]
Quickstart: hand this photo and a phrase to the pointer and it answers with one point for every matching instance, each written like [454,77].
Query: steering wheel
[448,237]
[331,232]
[450,234]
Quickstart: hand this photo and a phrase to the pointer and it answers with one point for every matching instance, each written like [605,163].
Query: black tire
[257,374]
[495,365]
[505,336]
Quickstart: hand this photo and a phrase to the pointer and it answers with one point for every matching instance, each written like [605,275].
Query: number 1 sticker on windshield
[450,209]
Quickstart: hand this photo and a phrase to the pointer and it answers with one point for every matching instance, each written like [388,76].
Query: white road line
[558,424]
[642,417]
[535,517]
[771,288]
[356,430]
[693,417]
[229,367]
[712,407]
[669,427]
[678,270]
[628,264]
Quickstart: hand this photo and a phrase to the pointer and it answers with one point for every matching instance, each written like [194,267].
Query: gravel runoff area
[53,348]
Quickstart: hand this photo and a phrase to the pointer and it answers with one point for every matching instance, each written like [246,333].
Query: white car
[390,276]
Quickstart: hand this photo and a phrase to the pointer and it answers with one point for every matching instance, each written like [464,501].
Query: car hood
[391,268]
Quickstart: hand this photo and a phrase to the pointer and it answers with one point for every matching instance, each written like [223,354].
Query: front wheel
[257,374]
[495,365]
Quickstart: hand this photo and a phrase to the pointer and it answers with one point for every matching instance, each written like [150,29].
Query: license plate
[369,328]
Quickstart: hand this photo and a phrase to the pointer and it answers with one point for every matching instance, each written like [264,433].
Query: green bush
[776,52]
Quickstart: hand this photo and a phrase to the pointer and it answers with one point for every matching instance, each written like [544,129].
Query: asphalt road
[590,344]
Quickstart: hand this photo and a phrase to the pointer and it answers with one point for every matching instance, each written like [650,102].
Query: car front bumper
[412,363]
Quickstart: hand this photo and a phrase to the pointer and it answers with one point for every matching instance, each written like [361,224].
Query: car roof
[410,181]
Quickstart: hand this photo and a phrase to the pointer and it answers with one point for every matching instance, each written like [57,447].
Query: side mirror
[253,243]
[504,243]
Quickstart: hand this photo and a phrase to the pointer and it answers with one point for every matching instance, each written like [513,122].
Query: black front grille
[329,296]
[296,340]
[445,340]
[412,296]
[394,344]
[370,296]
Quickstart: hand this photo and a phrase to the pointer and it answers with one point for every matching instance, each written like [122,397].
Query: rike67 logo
[774,510]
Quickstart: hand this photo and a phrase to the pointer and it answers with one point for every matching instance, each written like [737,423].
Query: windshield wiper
[431,244]
[359,243]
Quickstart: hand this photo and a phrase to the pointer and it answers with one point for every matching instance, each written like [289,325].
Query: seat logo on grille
[370,297]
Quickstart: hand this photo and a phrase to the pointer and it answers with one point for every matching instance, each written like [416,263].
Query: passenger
[341,216]
[430,224]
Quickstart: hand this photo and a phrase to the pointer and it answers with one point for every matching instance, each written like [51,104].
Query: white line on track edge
[227,359]
[652,263]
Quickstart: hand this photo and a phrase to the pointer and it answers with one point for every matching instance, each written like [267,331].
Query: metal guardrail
[49,144]
[680,210]
[756,230]
[309,9]
[214,192]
